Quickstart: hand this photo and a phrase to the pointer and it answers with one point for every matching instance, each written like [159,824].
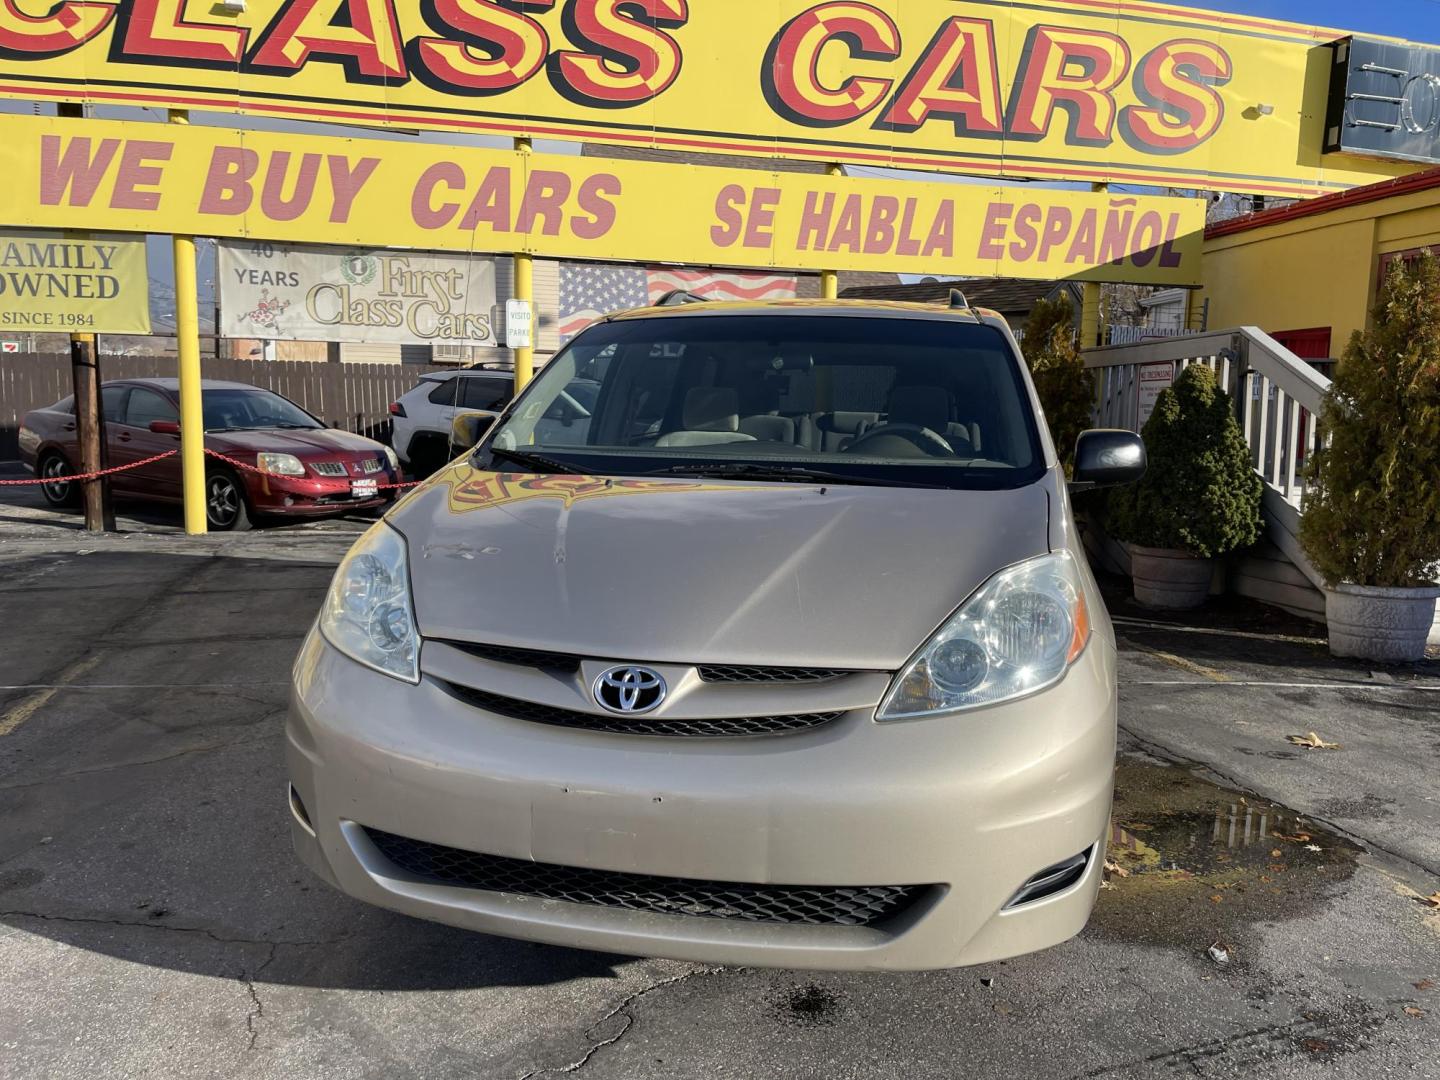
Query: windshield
[871,399]
[232,410]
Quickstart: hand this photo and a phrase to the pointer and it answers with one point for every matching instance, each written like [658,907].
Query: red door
[131,440]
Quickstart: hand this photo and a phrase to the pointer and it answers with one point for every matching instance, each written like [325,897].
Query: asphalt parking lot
[154,923]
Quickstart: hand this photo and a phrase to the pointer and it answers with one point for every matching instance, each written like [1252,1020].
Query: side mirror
[467,429]
[1105,457]
[165,427]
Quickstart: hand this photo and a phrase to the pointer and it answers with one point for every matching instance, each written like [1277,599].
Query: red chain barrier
[75,478]
[70,478]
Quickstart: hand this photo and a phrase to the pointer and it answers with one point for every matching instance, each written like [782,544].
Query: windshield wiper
[798,474]
[537,462]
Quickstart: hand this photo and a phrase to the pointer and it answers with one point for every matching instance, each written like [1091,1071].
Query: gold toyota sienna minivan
[749,634]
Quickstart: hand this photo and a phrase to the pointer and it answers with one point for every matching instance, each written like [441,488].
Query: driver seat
[927,407]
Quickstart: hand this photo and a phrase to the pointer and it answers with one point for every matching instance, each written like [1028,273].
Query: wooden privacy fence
[356,397]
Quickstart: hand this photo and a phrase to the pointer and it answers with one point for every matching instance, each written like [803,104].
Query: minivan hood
[680,571]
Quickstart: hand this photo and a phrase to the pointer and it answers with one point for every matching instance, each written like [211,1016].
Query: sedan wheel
[225,508]
[57,490]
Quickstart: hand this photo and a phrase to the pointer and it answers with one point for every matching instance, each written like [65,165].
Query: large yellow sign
[204,181]
[73,282]
[1094,90]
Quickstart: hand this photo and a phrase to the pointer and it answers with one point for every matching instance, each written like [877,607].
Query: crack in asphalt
[271,943]
[622,1009]
[1163,751]
[206,749]
[257,1013]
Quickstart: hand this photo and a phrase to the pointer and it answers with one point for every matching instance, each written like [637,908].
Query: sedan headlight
[280,464]
[368,614]
[1019,633]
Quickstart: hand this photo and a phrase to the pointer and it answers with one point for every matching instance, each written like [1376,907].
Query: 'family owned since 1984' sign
[314,293]
[70,282]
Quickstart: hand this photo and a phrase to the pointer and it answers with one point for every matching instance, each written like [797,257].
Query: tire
[63,494]
[225,507]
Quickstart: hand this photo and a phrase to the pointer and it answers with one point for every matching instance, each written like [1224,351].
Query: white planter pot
[1374,623]
[1166,578]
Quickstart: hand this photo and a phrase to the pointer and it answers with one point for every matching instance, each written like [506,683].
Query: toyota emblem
[629,690]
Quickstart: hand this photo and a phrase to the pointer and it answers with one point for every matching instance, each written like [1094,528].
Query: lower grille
[328,468]
[728,726]
[813,905]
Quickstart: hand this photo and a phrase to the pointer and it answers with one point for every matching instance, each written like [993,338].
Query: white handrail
[1277,395]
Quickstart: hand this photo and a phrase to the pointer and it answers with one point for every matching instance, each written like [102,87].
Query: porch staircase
[1277,397]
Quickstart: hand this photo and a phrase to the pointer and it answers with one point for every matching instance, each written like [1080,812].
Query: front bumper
[973,806]
[273,494]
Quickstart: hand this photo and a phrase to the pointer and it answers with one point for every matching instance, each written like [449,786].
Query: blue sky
[1416,20]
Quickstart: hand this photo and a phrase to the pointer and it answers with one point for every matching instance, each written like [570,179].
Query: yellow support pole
[525,290]
[187,342]
[830,279]
[1090,301]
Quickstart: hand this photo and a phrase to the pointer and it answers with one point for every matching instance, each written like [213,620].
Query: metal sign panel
[206,181]
[297,293]
[53,281]
[1090,90]
[1385,100]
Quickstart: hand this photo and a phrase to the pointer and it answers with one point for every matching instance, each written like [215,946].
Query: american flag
[589,291]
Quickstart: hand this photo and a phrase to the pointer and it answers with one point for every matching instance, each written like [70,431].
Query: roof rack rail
[675,297]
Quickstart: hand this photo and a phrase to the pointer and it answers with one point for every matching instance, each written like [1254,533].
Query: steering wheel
[923,438]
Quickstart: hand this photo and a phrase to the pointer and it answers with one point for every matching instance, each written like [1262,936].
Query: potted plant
[1066,390]
[1370,521]
[1199,500]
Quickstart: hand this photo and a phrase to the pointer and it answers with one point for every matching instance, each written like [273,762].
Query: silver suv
[781,650]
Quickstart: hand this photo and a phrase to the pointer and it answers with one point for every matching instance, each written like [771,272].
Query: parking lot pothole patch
[1195,864]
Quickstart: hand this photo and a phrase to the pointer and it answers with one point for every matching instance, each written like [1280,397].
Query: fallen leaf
[1312,741]
[1216,898]
[1414,1013]
[1278,868]
[1433,900]
[1116,869]
[1105,884]
[1275,853]
[1312,847]
[1219,952]
[1425,984]
[1266,879]
[1299,837]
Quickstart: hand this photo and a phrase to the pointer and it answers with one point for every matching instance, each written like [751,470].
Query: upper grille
[329,468]
[738,673]
[814,905]
[638,725]
[719,673]
[549,661]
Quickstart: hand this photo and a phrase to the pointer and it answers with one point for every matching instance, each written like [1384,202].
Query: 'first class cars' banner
[204,181]
[1091,90]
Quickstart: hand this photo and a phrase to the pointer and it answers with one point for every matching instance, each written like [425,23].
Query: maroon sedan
[304,468]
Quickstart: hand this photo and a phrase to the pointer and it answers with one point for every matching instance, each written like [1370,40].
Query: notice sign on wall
[1154,380]
[298,293]
[70,282]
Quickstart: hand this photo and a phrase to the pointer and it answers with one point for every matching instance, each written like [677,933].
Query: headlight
[391,457]
[368,614]
[1019,633]
[280,464]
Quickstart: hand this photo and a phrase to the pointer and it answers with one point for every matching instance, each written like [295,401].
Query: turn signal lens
[1019,633]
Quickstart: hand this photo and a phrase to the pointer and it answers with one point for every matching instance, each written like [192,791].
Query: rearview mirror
[165,427]
[467,429]
[1105,457]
